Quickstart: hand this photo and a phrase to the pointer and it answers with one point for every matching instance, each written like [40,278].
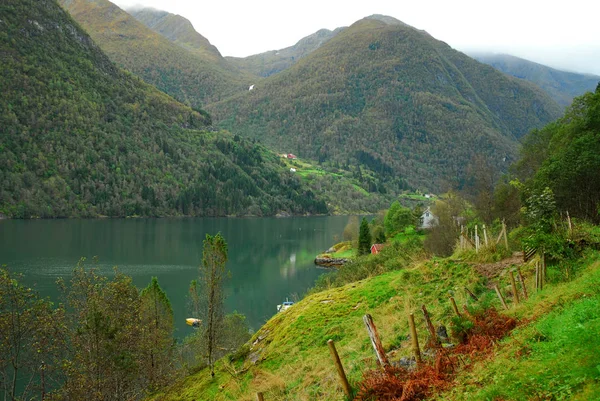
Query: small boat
[191,321]
[285,305]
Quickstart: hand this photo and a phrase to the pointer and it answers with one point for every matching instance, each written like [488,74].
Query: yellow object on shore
[190,321]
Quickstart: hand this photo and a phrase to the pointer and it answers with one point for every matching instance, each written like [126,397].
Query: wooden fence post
[453,302]
[500,296]
[514,287]
[375,341]
[414,339]
[471,294]
[259,397]
[522,280]
[504,231]
[476,240]
[485,239]
[432,333]
[340,368]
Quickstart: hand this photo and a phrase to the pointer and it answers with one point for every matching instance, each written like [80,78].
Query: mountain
[271,62]
[81,137]
[178,30]
[562,86]
[193,77]
[383,94]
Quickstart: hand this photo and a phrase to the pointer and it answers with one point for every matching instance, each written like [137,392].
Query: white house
[292,170]
[428,219]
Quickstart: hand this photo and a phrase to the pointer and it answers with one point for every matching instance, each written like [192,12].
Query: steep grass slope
[551,355]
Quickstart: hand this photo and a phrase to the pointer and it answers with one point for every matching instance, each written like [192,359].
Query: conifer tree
[157,335]
[364,237]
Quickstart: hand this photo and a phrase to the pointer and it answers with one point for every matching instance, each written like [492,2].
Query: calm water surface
[269,258]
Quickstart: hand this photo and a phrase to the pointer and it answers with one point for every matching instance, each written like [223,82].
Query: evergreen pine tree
[364,237]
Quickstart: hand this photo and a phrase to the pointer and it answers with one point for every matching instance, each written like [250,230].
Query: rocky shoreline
[327,261]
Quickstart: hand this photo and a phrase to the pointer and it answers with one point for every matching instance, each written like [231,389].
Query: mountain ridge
[563,86]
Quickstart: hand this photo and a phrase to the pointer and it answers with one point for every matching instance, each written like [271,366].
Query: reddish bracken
[400,384]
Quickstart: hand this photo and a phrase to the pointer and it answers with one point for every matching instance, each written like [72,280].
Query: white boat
[285,305]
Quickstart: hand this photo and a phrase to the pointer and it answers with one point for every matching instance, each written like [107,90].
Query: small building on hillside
[428,219]
[376,248]
[292,170]
[291,156]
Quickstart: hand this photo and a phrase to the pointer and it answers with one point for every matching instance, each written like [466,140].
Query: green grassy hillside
[563,86]
[393,98]
[194,78]
[549,355]
[80,137]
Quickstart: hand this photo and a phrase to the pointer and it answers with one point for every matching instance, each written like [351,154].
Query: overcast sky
[562,34]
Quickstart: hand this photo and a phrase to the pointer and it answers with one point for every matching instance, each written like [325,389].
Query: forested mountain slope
[80,137]
[194,78]
[386,95]
[563,86]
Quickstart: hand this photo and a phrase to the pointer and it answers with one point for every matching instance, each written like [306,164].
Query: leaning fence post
[453,302]
[500,296]
[471,294]
[413,338]
[375,341]
[522,282]
[259,397]
[514,287]
[432,333]
[340,368]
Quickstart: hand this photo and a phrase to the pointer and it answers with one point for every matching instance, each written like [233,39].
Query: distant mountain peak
[386,19]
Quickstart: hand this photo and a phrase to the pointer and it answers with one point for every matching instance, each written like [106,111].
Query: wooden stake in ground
[340,368]
[471,294]
[504,231]
[485,236]
[514,287]
[375,341]
[542,271]
[522,280]
[259,397]
[453,302]
[413,338]
[434,340]
[500,296]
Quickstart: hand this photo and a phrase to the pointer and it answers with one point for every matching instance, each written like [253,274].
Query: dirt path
[492,270]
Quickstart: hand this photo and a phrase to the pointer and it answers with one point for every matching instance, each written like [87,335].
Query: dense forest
[564,158]
[80,137]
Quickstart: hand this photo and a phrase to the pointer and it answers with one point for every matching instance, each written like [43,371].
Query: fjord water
[269,258]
